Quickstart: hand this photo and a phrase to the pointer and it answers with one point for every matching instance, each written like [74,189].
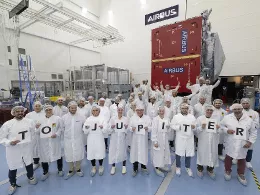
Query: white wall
[234,20]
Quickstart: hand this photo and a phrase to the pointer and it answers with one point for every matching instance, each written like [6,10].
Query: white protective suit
[37,118]
[161,156]
[146,90]
[89,108]
[208,92]
[21,154]
[169,113]
[184,142]
[176,102]
[234,147]
[113,110]
[139,145]
[60,110]
[73,134]
[108,102]
[96,143]
[168,92]
[199,109]
[207,152]
[142,102]
[194,89]
[220,114]
[105,113]
[118,141]
[158,95]
[50,148]
[83,111]
[152,110]
[130,113]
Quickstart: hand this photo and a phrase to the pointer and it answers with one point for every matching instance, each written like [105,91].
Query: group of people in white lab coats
[170,122]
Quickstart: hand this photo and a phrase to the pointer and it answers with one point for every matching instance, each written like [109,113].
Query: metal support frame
[96,32]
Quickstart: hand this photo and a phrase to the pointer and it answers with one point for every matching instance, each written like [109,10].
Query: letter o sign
[46,130]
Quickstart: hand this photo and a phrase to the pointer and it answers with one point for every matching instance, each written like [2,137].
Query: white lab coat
[73,134]
[169,113]
[37,118]
[21,154]
[113,110]
[96,143]
[127,108]
[176,102]
[118,141]
[208,91]
[161,156]
[83,111]
[184,144]
[145,89]
[130,113]
[234,147]
[105,113]
[122,102]
[50,148]
[139,146]
[142,102]
[207,152]
[60,111]
[89,108]
[194,89]
[108,102]
[158,95]
[220,114]
[152,110]
[199,109]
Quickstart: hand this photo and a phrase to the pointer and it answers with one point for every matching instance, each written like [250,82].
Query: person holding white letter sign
[50,142]
[160,150]
[140,126]
[184,125]
[17,135]
[95,127]
[241,134]
[118,142]
[208,138]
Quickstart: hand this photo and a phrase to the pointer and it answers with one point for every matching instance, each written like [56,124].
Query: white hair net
[82,99]
[95,106]
[184,105]
[140,107]
[236,106]
[48,107]
[37,103]
[102,99]
[217,100]
[61,98]
[17,108]
[245,100]
[120,106]
[209,107]
[72,103]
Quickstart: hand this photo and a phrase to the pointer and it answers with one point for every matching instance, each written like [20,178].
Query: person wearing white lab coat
[160,151]
[17,135]
[255,117]
[152,108]
[184,125]
[140,125]
[72,124]
[82,108]
[199,108]
[130,113]
[168,91]
[118,127]
[50,132]
[157,93]
[241,134]
[136,89]
[121,100]
[105,113]
[113,107]
[209,90]
[196,88]
[108,101]
[145,89]
[60,110]
[141,101]
[89,105]
[169,112]
[185,100]
[208,138]
[220,113]
[37,116]
[96,126]
[128,105]
[176,100]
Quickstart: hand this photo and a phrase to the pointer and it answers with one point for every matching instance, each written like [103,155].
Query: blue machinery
[27,76]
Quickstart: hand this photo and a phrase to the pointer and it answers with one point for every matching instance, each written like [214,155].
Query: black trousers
[45,166]
[36,160]
[124,163]
[220,149]
[171,143]
[12,174]
[135,166]
[201,168]
[106,143]
[93,162]
[249,155]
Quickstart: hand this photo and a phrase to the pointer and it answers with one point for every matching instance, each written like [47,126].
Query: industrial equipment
[185,50]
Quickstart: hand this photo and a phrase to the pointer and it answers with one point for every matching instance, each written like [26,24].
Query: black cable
[186,9]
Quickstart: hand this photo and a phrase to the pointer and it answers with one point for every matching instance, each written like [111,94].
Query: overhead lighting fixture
[84,11]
